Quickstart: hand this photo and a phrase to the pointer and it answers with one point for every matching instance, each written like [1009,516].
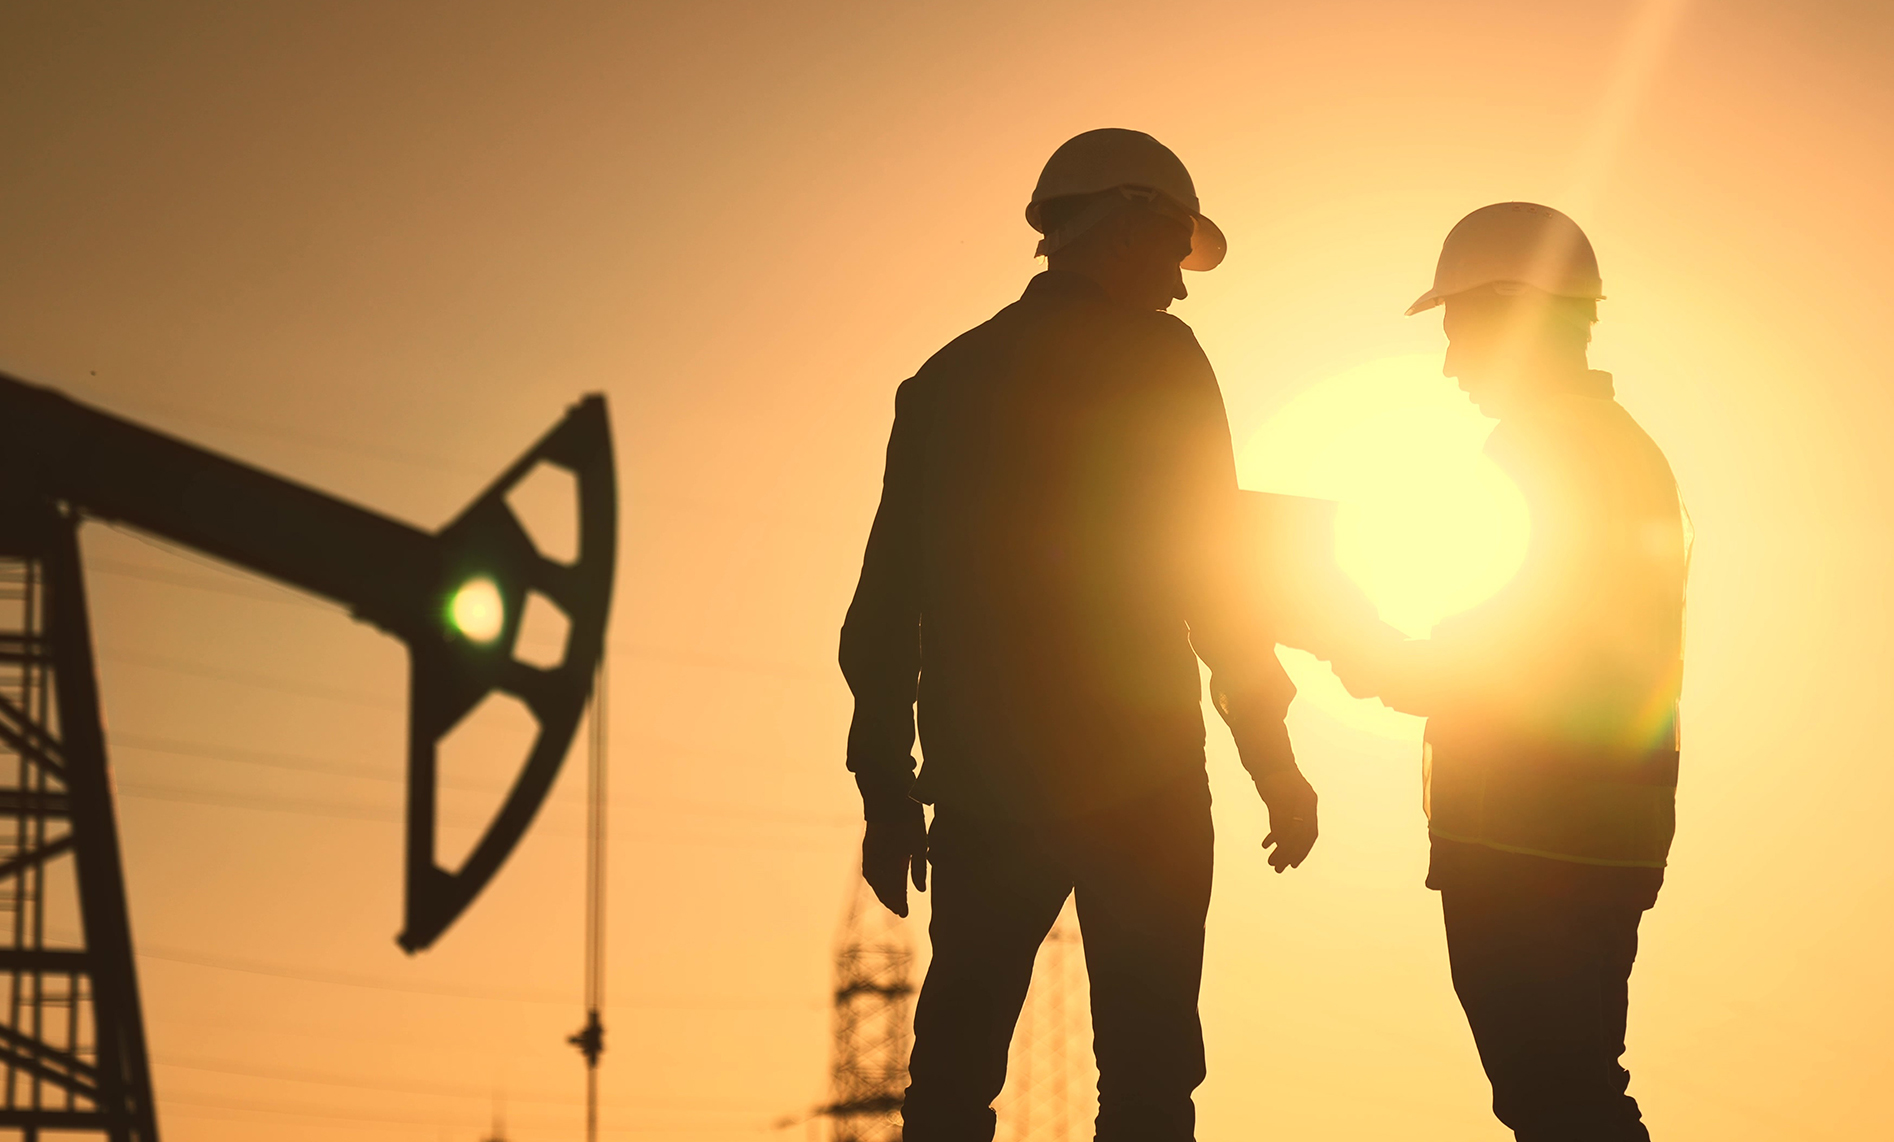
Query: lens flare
[1428,526]
[477,610]
[1435,542]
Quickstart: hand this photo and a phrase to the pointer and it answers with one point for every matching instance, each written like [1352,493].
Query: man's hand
[1292,827]
[890,849]
[1368,663]
[1358,675]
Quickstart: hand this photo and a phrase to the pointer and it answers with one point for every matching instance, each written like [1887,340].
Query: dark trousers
[1141,874]
[1543,978]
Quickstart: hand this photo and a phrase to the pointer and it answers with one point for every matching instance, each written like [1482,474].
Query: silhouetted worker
[1058,531]
[1550,762]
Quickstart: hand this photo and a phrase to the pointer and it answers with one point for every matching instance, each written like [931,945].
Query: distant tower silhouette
[1051,1090]
[874,1024]
[498,1133]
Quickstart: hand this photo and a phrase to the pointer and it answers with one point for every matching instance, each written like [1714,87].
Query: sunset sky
[381,247]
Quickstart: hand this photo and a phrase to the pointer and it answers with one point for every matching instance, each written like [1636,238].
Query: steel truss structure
[1051,1090]
[72,1043]
[874,1024]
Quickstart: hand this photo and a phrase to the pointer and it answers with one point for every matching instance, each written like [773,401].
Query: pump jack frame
[72,1042]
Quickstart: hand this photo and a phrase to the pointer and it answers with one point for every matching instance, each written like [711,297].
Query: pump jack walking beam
[61,461]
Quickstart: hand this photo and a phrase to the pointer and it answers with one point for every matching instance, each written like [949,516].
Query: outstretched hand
[890,851]
[1359,675]
[1365,663]
[1292,819]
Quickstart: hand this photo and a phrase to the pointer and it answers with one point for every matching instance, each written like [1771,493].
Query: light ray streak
[1648,37]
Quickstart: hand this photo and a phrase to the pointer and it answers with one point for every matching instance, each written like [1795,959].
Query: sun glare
[477,611]
[1427,527]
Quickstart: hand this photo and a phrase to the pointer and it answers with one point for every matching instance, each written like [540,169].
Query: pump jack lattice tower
[873,1023]
[71,1039]
[72,1045]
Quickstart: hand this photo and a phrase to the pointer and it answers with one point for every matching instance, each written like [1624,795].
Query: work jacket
[1058,530]
[1552,707]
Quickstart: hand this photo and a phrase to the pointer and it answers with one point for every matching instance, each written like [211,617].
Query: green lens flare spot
[477,611]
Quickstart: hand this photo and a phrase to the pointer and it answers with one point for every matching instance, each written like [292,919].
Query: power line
[342,979]
[304,808]
[294,763]
[299,807]
[298,763]
[229,579]
[348,979]
[301,1110]
[442,1090]
[267,429]
[248,588]
[252,678]
[242,585]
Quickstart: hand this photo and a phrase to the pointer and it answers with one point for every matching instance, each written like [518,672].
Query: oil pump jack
[72,1044]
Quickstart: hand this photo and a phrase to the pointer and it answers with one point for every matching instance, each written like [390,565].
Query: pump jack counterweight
[72,1043]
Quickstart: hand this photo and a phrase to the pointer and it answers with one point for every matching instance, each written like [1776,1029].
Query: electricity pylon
[874,1023]
[1051,1090]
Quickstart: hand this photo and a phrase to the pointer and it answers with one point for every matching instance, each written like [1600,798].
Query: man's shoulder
[1599,424]
[1045,326]
[981,340]
[1170,333]
[1145,342]
[1575,441]
[1561,417]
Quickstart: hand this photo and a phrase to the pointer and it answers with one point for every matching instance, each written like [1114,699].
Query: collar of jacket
[1593,383]
[1065,283]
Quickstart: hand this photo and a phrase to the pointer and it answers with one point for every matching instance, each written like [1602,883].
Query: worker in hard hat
[1550,757]
[1057,545]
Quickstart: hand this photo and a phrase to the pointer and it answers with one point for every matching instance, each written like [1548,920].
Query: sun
[1428,526]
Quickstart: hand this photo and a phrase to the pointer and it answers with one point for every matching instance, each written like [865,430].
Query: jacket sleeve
[881,637]
[1231,628]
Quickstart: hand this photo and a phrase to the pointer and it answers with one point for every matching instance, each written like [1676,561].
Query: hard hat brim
[1434,297]
[1207,245]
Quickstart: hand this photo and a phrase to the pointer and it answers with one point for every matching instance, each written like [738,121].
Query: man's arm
[881,659]
[1513,649]
[1230,625]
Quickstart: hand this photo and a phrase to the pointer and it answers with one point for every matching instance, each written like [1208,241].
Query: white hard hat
[1518,243]
[1113,158]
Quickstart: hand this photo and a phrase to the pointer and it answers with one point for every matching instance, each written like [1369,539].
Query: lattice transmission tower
[873,1023]
[1051,1090]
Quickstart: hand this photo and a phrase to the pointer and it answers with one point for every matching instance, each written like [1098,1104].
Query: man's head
[1133,249]
[1506,342]
[1111,204]
[1521,289]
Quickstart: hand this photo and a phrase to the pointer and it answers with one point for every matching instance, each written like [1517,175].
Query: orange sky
[380,247]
